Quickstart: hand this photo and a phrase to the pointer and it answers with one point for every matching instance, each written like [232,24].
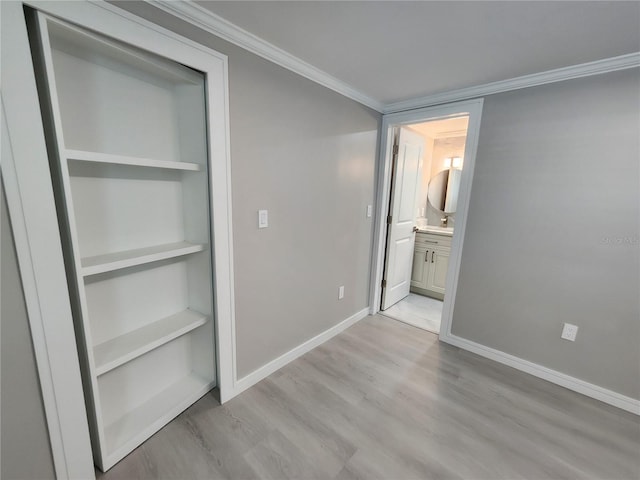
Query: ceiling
[395,50]
[452,127]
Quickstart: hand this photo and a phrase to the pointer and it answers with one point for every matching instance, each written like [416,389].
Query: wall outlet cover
[569,332]
[341,292]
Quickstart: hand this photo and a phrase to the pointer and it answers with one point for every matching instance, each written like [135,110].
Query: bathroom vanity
[431,261]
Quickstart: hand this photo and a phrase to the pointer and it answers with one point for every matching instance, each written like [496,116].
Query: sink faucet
[444,221]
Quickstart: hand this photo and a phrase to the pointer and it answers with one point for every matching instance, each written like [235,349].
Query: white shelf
[137,425]
[91,47]
[104,158]
[122,349]
[139,256]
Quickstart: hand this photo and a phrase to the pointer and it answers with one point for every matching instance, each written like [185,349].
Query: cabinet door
[419,273]
[438,266]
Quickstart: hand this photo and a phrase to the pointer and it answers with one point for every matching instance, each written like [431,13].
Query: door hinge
[384,284]
[396,149]
[389,219]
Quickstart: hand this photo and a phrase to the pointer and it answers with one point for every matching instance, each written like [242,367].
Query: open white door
[407,172]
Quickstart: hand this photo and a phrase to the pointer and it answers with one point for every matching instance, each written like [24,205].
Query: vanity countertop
[448,231]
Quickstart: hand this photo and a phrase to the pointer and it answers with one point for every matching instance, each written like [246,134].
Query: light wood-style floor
[385,400]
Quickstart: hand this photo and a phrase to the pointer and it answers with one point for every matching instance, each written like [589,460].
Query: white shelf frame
[109,159]
[140,256]
[124,348]
[27,181]
[87,266]
[210,68]
[137,425]
[156,66]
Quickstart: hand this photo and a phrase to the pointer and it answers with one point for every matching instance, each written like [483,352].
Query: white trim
[224,300]
[589,389]
[473,108]
[76,10]
[598,67]
[274,365]
[36,324]
[38,247]
[206,20]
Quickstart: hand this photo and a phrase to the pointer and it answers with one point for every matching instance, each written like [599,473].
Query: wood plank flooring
[384,400]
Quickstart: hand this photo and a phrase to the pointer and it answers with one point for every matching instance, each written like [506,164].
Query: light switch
[369,210]
[263,218]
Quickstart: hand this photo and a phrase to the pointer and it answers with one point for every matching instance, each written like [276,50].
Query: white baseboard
[590,390]
[254,377]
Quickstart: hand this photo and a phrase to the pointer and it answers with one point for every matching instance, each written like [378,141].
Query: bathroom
[436,193]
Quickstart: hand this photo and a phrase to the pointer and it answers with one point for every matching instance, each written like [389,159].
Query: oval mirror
[443,190]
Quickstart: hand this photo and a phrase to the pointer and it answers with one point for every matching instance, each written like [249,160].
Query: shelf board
[137,425]
[108,159]
[122,349]
[139,256]
[96,48]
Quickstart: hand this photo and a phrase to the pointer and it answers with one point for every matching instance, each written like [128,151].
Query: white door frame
[27,182]
[473,108]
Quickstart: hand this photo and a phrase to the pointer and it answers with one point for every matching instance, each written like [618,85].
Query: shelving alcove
[127,135]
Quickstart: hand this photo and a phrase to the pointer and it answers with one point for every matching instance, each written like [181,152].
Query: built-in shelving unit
[127,138]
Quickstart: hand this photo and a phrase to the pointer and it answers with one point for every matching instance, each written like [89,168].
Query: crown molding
[206,20]
[598,67]
[202,18]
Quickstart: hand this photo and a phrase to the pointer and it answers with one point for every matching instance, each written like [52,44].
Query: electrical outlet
[569,332]
[341,292]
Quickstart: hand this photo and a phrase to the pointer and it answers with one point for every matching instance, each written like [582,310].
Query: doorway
[424,184]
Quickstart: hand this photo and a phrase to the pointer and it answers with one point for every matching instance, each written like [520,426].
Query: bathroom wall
[427,156]
[442,149]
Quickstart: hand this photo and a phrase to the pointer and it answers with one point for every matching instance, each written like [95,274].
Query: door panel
[403,252]
[407,172]
[418,270]
[411,165]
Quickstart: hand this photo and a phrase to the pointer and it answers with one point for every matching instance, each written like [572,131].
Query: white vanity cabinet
[430,264]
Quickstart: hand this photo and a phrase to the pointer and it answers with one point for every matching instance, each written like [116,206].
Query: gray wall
[25,451]
[308,155]
[553,229]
